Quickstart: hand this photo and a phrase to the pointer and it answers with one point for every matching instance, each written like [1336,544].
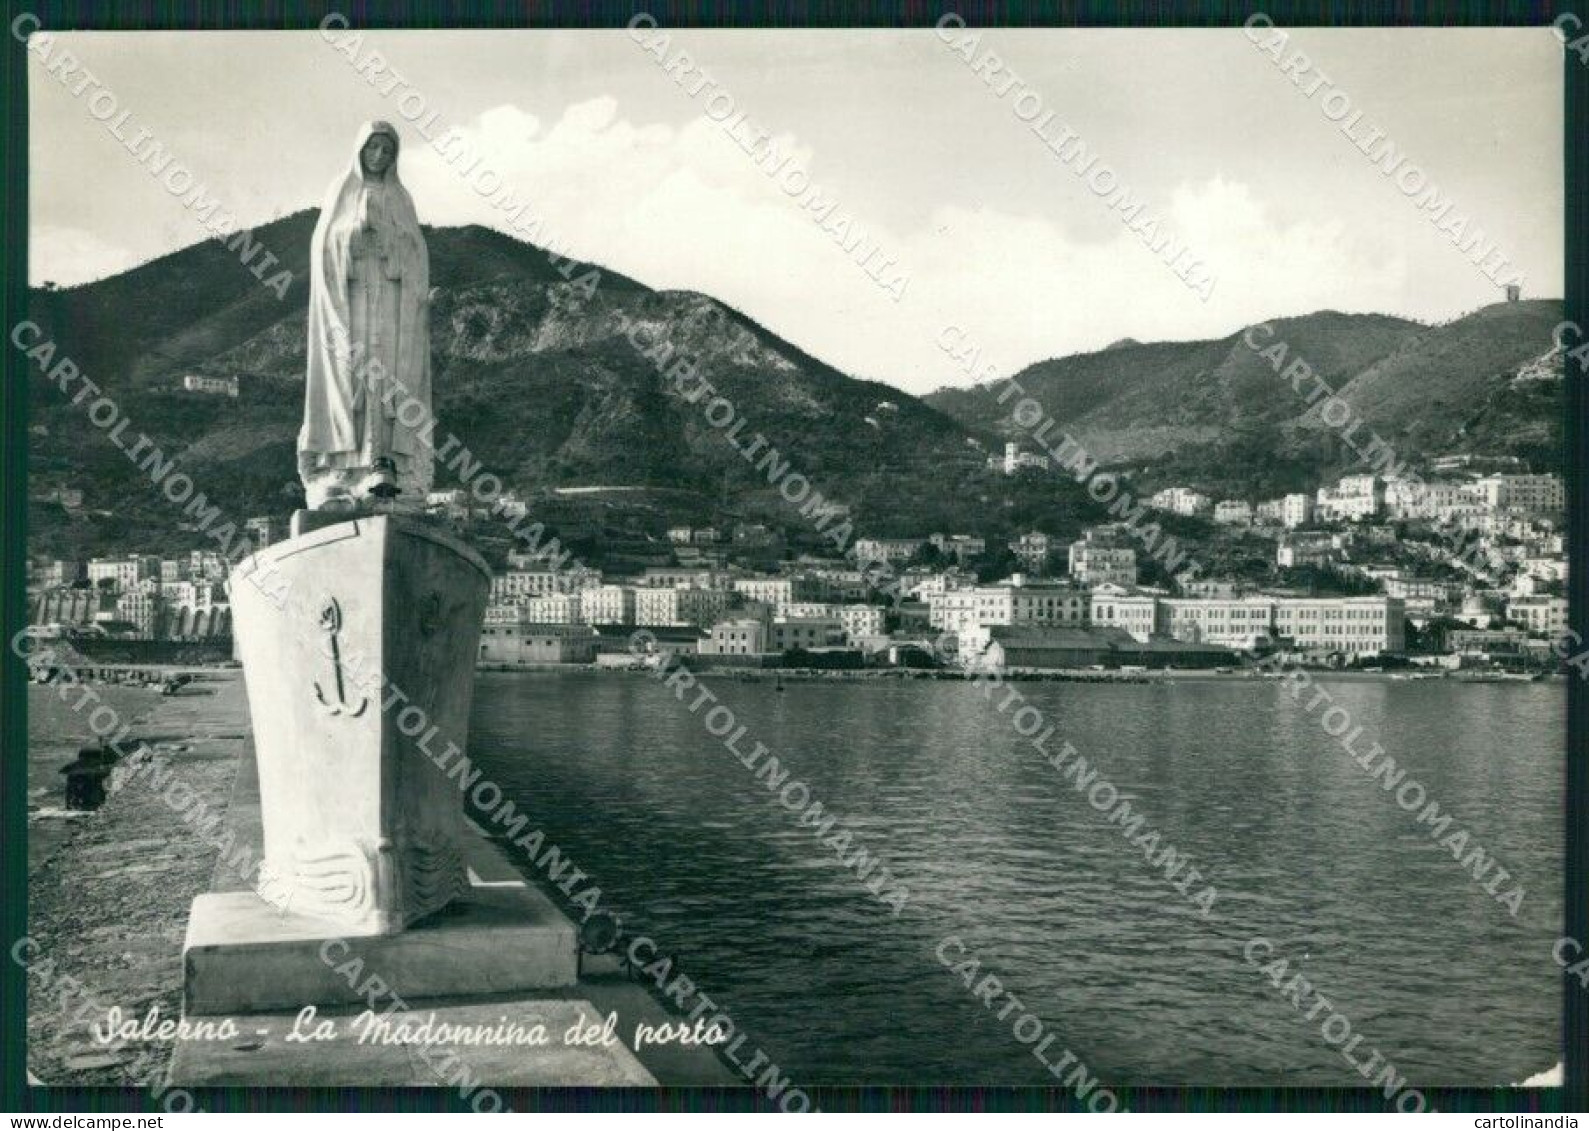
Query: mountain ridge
[1422,388]
[539,377]
[534,373]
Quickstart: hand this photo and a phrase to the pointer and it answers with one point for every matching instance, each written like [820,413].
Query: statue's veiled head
[379,151]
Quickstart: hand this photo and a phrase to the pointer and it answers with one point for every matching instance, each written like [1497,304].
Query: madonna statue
[367,415]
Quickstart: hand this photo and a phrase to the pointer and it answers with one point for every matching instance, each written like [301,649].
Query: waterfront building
[1036,647]
[607,604]
[777,591]
[1526,585]
[210,612]
[1352,625]
[739,636]
[861,621]
[616,645]
[552,608]
[1118,606]
[1235,622]
[143,609]
[1487,643]
[1548,543]
[699,607]
[1542,616]
[788,633]
[528,643]
[955,610]
[556,608]
[522,583]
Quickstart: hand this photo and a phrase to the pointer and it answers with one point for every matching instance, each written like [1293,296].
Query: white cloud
[687,208]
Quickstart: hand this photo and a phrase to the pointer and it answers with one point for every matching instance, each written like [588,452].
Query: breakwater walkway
[109,909]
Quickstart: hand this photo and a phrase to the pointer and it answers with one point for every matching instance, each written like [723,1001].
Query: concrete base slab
[262,1054]
[243,955]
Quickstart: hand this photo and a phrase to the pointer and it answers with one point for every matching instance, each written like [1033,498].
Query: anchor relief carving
[331,623]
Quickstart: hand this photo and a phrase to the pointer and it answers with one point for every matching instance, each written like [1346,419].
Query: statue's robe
[367,384]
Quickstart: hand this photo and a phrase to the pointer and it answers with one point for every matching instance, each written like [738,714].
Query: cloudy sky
[991,231]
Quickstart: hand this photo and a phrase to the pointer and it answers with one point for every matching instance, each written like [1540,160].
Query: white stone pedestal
[243,956]
[359,686]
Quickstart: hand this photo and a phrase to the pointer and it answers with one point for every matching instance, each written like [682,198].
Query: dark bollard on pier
[85,777]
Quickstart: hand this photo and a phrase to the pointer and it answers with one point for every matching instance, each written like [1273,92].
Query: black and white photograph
[780,560]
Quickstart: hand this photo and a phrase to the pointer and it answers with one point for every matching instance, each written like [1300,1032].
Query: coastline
[1052,675]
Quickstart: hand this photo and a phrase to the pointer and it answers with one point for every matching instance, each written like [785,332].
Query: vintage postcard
[784,559]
